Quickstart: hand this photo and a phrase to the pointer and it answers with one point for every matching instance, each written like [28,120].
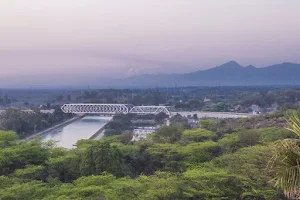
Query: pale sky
[61,41]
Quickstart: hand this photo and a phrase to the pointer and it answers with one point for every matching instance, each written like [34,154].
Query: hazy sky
[67,40]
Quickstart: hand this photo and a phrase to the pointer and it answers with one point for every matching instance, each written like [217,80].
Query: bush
[31,172]
[167,134]
[166,157]
[273,133]
[255,136]
[208,124]
[249,137]
[7,138]
[200,151]
[229,142]
[198,135]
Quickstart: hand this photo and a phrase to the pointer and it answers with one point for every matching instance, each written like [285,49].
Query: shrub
[198,135]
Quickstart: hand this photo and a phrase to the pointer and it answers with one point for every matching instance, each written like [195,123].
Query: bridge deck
[114,109]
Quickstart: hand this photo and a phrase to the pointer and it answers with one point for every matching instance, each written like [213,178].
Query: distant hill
[228,74]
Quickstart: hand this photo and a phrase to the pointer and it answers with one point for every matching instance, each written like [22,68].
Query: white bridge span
[114,109]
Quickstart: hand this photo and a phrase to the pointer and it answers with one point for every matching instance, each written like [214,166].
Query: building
[255,109]
[206,100]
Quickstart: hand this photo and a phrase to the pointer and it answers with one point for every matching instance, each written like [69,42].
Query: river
[81,129]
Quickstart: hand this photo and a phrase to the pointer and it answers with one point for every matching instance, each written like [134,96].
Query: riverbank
[100,133]
[218,115]
[58,126]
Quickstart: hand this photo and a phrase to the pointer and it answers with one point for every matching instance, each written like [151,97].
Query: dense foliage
[27,123]
[222,99]
[118,124]
[122,123]
[285,162]
[220,160]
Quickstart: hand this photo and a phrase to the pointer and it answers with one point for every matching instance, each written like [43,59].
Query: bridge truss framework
[114,109]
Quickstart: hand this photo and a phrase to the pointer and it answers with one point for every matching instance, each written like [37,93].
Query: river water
[81,129]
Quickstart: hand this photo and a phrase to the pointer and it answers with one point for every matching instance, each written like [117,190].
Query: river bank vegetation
[224,159]
[122,123]
[215,99]
[26,123]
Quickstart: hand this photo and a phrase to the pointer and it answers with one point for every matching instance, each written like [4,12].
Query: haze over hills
[228,74]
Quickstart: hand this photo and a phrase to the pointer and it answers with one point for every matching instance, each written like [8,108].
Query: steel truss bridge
[114,109]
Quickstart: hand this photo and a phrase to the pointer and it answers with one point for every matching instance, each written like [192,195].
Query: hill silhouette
[228,74]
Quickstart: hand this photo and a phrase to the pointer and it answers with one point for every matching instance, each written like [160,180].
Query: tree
[200,151]
[249,137]
[166,157]
[167,134]
[66,167]
[195,116]
[159,118]
[178,119]
[31,172]
[7,138]
[126,138]
[198,135]
[217,107]
[208,124]
[285,163]
[229,142]
[26,123]
[119,123]
[20,154]
[100,157]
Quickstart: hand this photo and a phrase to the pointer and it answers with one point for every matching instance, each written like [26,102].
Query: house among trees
[255,109]
[207,100]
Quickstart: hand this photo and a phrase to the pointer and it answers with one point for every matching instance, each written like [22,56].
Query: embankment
[58,126]
[99,134]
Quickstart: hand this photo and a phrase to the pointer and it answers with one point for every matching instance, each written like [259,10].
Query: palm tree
[285,164]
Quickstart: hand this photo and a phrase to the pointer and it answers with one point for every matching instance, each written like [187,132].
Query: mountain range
[228,74]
